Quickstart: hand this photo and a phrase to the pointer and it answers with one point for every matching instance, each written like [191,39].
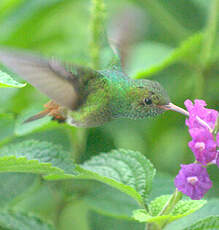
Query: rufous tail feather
[38,116]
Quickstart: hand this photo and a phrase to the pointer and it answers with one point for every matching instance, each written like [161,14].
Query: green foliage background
[174,50]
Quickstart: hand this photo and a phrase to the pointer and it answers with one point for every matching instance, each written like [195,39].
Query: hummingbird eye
[147,101]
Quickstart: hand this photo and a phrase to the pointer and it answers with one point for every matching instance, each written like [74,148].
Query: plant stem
[216,128]
[166,19]
[166,209]
[207,46]
[78,139]
[97,28]
[79,136]
[210,34]
[171,203]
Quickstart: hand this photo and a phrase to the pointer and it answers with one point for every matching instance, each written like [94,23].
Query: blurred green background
[170,48]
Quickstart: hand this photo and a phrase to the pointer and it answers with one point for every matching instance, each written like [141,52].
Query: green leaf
[210,223]
[182,208]
[108,201]
[7,81]
[54,133]
[186,207]
[157,204]
[6,126]
[146,56]
[210,209]
[100,222]
[21,15]
[126,170]
[187,52]
[14,186]
[37,157]
[36,17]
[141,215]
[22,128]
[22,221]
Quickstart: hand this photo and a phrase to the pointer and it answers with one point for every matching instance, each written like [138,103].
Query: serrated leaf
[187,52]
[186,207]
[37,157]
[126,170]
[157,204]
[209,223]
[7,81]
[210,209]
[182,208]
[141,215]
[22,221]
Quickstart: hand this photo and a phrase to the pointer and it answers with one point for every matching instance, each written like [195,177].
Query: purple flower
[217,157]
[197,112]
[193,181]
[202,145]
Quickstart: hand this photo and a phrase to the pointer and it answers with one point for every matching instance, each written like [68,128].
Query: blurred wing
[49,76]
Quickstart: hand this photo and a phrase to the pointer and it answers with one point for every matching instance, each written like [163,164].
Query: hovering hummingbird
[85,97]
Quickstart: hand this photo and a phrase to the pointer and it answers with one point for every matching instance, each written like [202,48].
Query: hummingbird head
[147,98]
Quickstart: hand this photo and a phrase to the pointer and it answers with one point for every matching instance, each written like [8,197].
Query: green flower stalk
[97,29]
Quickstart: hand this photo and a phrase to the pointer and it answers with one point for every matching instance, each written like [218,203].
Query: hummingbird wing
[51,77]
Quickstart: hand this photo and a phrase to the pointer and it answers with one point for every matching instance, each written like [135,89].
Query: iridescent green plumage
[111,94]
[86,97]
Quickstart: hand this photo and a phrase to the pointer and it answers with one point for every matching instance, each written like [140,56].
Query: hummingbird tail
[37,116]
[51,109]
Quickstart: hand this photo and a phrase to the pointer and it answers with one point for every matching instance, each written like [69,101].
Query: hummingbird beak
[175,108]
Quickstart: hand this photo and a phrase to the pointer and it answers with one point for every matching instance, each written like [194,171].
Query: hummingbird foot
[55,111]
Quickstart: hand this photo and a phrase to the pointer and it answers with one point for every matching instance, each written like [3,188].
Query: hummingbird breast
[95,109]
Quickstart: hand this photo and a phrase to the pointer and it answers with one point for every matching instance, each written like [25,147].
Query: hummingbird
[84,97]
